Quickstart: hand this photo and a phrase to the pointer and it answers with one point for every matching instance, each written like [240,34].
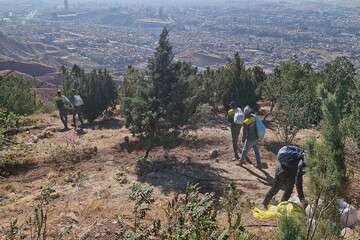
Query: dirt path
[93,190]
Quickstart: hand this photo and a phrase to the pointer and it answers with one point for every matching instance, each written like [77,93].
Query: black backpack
[290,156]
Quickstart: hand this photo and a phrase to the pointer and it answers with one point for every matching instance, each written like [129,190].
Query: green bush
[209,87]
[292,91]
[141,195]
[339,80]
[16,95]
[195,216]
[240,83]
[7,120]
[291,228]
[97,88]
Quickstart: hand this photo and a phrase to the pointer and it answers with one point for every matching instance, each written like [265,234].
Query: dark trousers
[284,178]
[63,117]
[235,132]
[77,111]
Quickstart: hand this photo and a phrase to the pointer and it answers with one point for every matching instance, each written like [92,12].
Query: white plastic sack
[295,200]
[260,128]
[78,101]
[349,216]
[239,116]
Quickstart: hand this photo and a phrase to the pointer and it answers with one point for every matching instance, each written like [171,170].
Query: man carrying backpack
[62,104]
[77,103]
[235,129]
[289,171]
[250,137]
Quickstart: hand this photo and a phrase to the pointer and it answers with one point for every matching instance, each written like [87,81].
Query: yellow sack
[282,209]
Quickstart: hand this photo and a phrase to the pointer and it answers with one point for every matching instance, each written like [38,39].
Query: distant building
[66,4]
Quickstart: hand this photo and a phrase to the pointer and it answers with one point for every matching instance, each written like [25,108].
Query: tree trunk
[148,150]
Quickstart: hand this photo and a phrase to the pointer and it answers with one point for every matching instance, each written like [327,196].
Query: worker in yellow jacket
[250,137]
[235,129]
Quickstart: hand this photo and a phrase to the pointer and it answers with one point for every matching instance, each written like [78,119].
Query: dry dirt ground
[92,174]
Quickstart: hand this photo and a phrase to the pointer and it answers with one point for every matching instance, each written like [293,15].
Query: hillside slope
[9,48]
[92,174]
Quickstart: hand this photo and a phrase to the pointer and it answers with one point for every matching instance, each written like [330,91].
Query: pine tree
[242,87]
[339,77]
[336,92]
[333,134]
[159,108]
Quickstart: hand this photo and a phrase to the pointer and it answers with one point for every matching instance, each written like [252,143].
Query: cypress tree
[159,108]
[242,86]
[97,89]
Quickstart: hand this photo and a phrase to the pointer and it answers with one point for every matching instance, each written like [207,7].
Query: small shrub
[291,229]
[13,232]
[8,165]
[14,159]
[34,228]
[142,196]
[194,216]
[70,153]
[7,120]
[231,204]
[16,95]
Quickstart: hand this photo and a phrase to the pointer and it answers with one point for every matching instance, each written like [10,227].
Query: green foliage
[333,134]
[231,204]
[142,196]
[326,169]
[35,228]
[38,222]
[168,86]
[232,82]
[7,120]
[339,80]
[8,164]
[16,95]
[209,87]
[327,229]
[242,85]
[291,228]
[194,216]
[323,174]
[132,83]
[351,122]
[191,218]
[13,231]
[159,106]
[292,91]
[97,89]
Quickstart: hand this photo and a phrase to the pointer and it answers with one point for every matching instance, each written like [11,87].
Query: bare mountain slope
[9,48]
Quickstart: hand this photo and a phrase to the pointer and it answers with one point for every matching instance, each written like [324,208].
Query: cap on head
[232,104]
[247,110]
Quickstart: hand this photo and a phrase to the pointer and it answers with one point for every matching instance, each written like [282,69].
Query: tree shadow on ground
[273,147]
[186,141]
[112,123]
[174,175]
[265,179]
[14,170]
[199,143]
